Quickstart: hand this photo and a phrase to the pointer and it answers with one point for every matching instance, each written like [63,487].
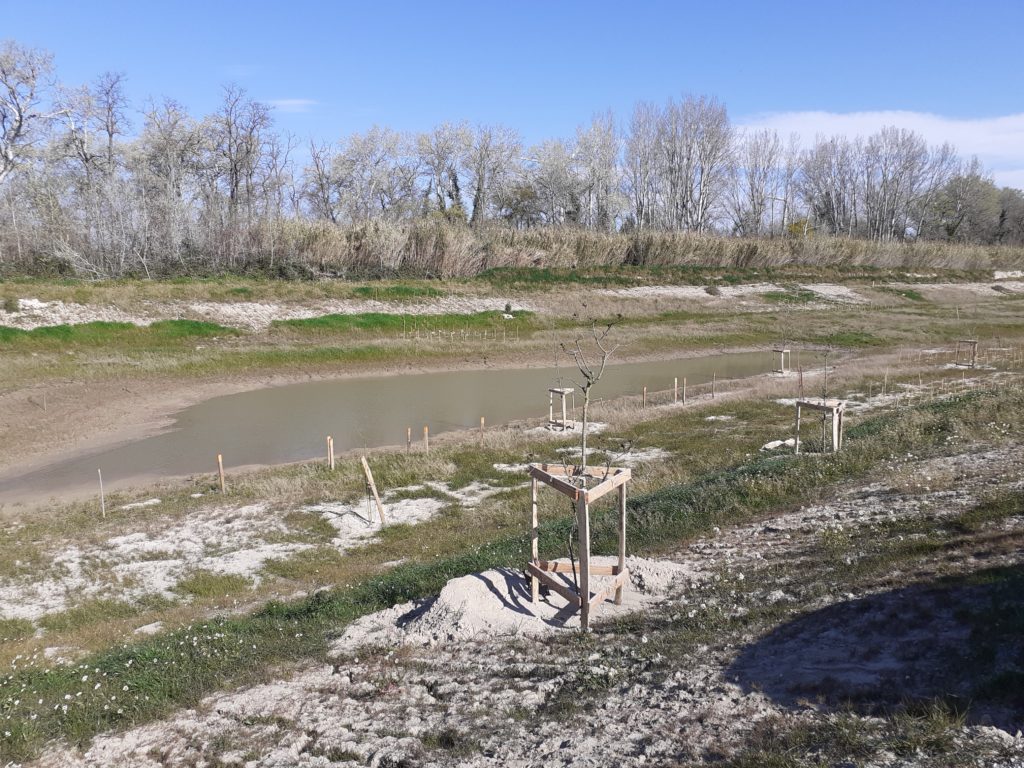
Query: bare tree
[319,187]
[488,160]
[440,151]
[640,167]
[597,167]
[24,78]
[695,140]
[755,183]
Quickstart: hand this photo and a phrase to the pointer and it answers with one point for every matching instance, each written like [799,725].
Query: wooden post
[330,452]
[644,401]
[797,449]
[675,390]
[481,430]
[408,439]
[426,439]
[800,380]
[583,525]
[836,423]
[220,471]
[534,537]
[373,488]
[103,498]
[622,539]
[885,381]
[684,390]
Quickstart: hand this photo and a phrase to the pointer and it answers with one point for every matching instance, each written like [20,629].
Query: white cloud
[292,105]
[997,141]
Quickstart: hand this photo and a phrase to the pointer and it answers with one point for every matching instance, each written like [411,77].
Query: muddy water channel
[290,423]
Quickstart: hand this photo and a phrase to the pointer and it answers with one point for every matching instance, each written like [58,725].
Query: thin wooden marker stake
[684,390]
[373,488]
[220,471]
[426,438]
[675,390]
[103,498]
[714,380]
[408,439]
[481,429]
[644,405]
[330,452]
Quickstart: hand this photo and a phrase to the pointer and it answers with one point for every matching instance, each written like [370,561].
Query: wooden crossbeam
[554,584]
[613,482]
[829,406]
[609,590]
[553,566]
[557,483]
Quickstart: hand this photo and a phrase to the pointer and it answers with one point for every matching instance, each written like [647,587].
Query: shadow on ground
[960,640]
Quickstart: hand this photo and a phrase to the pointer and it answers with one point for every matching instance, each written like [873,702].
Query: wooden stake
[103,498]
[426,439]
[684,390]
[534,539]
[481,430]
[408,439]
[330,452]
[622,538]
[675,390]
[373,488]
[220,471]
[583,526]
[644,402]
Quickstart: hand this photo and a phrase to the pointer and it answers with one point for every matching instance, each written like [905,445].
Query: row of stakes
[679,394]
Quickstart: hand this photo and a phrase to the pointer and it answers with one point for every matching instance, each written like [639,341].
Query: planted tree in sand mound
[582,485]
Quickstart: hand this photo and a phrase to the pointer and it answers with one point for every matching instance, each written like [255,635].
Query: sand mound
[497,603]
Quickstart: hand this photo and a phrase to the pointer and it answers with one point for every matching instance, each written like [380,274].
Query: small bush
[12,305]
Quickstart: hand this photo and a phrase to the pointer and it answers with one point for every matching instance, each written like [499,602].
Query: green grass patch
[904,293]
[16,629]
[399,292]
[209,584]
[306,564]
[791,296]
[87,613]
[525,278]
[102,333]
[381,322]
[850,339]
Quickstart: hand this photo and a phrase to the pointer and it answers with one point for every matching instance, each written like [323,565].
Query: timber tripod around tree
[571,482]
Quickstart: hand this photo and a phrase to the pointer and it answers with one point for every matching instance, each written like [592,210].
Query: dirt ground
[835,654]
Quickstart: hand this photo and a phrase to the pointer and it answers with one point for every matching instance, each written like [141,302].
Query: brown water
[290,423]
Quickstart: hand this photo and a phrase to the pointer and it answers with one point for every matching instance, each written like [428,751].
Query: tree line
[94,185]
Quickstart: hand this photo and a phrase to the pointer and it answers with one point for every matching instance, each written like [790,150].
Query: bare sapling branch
[590,373]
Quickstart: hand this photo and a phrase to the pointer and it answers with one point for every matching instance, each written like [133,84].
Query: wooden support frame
[970,347]
[830,409]
[564,423]
[571,482]
[785,356]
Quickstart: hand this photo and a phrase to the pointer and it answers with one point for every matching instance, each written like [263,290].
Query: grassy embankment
[105,351]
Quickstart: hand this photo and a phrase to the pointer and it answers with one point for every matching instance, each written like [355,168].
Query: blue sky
[544,68]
